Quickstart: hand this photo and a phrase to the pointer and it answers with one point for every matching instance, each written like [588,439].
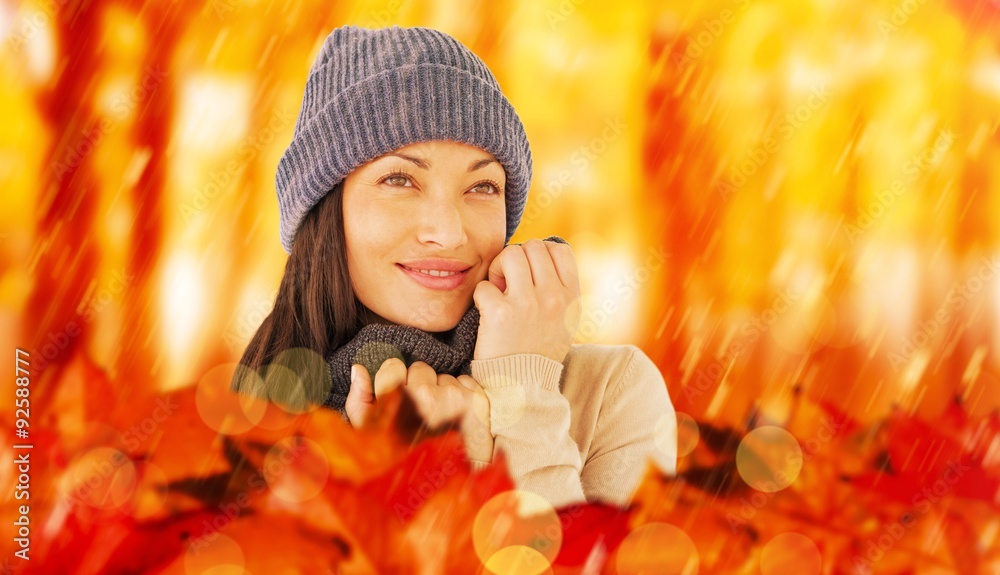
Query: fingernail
[354,371]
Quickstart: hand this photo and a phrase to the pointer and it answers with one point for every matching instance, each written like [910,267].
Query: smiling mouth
[435,279]
[433,273]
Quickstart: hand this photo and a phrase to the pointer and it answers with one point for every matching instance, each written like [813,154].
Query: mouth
[436,280]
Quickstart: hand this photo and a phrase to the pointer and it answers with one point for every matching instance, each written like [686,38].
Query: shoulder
[610,371]
[617,361]
[593,355]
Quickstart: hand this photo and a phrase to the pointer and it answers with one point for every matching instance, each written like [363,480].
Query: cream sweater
[582,430]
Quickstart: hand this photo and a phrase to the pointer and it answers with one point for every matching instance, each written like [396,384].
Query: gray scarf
[375,343]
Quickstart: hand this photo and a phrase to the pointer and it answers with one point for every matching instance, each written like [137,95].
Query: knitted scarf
[375,343]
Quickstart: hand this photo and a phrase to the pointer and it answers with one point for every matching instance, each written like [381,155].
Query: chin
[438,321]
[429,314]
[439,324]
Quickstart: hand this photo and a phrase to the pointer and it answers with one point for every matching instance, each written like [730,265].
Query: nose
[440,222]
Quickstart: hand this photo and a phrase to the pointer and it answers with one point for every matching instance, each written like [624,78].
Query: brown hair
[315,309]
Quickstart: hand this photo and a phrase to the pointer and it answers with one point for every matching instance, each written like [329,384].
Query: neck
[443,336]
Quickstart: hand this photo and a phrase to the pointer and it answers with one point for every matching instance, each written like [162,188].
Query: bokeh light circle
[657,549]
[790,554]
[382,351]
[296,469]
[218,555]
[298,379]
[665,435]
[769,459]
[518,560]
[103,478]
[688,434]
[516,518]
[224,410]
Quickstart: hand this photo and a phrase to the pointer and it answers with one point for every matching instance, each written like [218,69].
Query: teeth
[435,273]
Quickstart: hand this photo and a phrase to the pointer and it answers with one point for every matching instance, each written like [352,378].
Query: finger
[450,394]
[421,386]
[361,385]
[480,405]
[437,403]
[467,382]
[510,267]
[391,374]
[446,379]
[485,295]
[360,399]
[420,373]
[423,398]
[472,385]
[449,400]
[495,274]
[564,261]
[543,269]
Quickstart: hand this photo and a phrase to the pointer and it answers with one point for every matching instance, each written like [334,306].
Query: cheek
[360,218]
[363,250]
[362,215]
[488,223]
[359,242]
[488,246]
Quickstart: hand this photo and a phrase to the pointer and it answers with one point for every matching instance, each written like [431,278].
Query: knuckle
[510,251]
[421,371]
[533,243]
[392,361]
[475,390]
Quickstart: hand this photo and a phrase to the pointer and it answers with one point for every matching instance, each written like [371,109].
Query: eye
[488,187]
[397,178]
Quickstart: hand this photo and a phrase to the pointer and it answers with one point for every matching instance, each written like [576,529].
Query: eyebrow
[420,163]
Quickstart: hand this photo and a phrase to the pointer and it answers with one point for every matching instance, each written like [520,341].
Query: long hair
[315,311]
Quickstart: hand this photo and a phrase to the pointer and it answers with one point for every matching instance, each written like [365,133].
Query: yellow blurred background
[826,170]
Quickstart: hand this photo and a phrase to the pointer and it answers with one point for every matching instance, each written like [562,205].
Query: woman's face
[438,200]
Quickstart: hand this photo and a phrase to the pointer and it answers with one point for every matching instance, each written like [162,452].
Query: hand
[439,398]
[361,399]
[530,302]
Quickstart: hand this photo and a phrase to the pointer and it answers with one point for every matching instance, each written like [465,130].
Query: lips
[432,272]
[447,282]
[440,264]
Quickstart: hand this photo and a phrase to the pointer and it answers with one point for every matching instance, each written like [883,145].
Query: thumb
[485,295]
[361,397]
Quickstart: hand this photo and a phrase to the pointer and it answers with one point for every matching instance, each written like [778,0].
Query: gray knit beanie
[370,92]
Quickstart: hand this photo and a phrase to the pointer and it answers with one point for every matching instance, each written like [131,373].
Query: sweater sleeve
[530,422]
[637,427]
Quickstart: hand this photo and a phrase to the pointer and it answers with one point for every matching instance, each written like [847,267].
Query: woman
[406,177]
